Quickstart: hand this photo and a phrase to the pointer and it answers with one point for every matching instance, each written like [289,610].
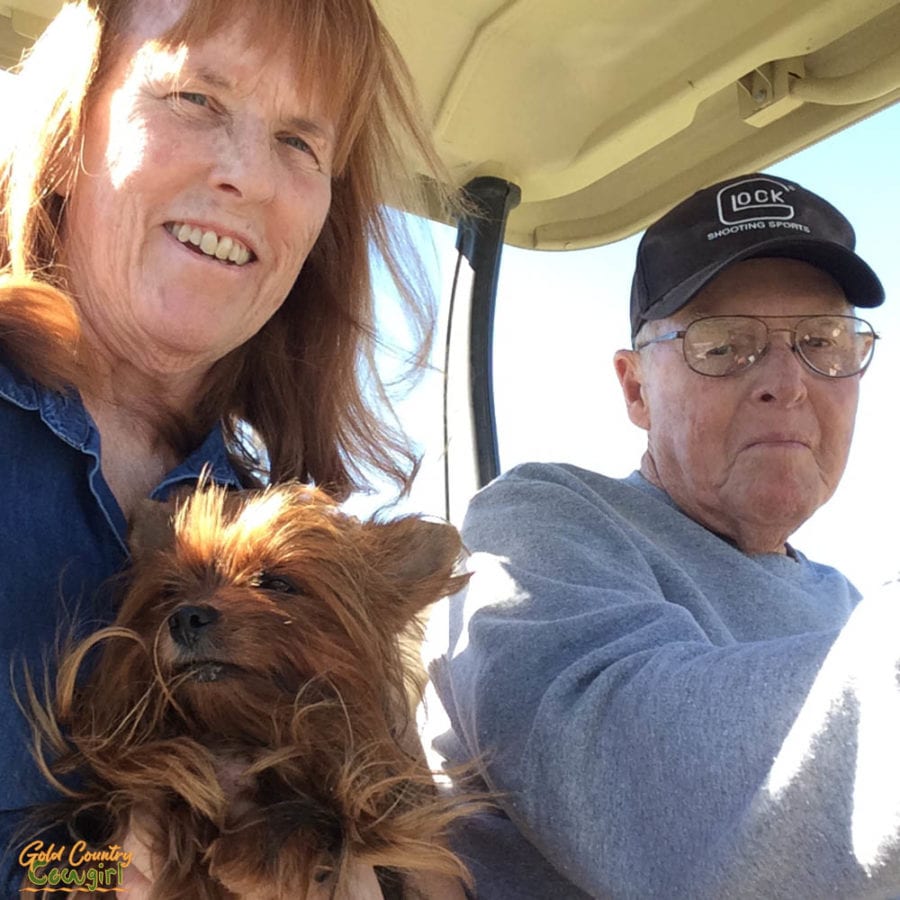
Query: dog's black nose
[190,623]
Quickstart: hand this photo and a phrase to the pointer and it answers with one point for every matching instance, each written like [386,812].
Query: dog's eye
[277,583]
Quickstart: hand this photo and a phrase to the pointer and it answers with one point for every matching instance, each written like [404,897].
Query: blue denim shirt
[62,536]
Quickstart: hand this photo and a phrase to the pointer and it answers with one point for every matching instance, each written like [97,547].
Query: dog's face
[260,636]
[246,600]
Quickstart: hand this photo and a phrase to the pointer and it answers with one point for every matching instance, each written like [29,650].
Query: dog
[252,705]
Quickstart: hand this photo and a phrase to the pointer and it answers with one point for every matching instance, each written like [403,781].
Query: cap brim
[858,281]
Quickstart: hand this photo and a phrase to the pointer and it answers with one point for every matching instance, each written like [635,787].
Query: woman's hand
[361,882]
[139,875]
[429,886]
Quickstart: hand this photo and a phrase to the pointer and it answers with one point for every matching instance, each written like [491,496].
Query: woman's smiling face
[205,182]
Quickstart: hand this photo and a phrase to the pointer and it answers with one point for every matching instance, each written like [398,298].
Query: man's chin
[774,506]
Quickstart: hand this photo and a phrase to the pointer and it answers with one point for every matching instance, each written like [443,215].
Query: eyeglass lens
[836,346]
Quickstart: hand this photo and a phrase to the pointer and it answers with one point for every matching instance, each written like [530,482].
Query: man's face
[750,455]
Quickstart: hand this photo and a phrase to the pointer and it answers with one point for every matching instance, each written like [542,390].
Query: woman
[189,203]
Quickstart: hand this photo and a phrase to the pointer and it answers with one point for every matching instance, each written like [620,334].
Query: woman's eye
[193,97]
[298,143]
[721,350]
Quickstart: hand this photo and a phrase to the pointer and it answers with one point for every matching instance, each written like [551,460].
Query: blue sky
[561,316]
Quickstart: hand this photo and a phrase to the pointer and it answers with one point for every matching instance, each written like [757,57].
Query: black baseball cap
[745,217]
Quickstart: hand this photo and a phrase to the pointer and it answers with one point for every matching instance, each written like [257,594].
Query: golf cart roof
[606,114]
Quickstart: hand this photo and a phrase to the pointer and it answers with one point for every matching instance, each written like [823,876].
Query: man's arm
[642,758]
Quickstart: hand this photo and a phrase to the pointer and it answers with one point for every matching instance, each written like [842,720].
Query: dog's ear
[151,527]
[419,558]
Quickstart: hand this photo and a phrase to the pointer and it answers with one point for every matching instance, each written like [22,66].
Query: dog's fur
[252,701]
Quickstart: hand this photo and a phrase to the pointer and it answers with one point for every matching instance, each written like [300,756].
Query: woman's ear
[630,372]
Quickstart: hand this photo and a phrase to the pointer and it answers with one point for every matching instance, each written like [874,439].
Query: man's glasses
[836,346]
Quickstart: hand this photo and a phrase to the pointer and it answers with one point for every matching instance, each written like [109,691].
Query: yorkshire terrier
[251,707]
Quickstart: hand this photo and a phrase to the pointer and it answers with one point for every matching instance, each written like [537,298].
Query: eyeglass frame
[677,335]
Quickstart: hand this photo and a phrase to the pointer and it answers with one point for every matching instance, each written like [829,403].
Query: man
[668,699]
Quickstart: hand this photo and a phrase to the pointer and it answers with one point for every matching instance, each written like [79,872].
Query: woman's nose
[246,164]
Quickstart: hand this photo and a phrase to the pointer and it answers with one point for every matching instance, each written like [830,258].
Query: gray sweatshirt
[662,715]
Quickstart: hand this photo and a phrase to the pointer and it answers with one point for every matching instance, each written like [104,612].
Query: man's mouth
[226,249]
[778,439]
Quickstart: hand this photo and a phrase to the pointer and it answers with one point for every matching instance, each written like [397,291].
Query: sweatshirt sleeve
[643,760]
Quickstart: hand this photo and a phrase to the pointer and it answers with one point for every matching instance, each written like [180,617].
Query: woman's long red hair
[306,384]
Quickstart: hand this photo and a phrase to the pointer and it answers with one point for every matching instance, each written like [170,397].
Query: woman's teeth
[225,248]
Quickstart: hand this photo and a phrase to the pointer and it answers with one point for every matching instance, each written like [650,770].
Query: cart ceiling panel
[607,112]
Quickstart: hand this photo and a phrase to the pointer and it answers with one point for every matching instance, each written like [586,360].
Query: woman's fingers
[430,886]
[136,883]
[360,882]
[140,873]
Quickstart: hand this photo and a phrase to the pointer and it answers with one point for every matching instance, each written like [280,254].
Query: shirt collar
[65,415]
[212,456]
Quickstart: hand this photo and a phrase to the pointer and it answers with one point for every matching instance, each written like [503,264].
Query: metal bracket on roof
[765,94]
[776,88]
